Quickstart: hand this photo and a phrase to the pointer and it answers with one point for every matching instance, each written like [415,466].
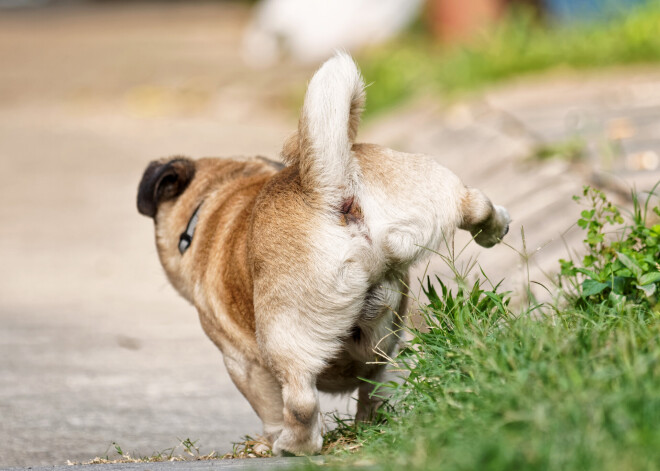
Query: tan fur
[300,275]
[215,270]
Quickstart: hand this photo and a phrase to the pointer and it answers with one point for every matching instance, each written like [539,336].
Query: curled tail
[328,126]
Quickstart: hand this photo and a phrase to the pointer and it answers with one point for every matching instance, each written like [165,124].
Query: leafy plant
[624,266]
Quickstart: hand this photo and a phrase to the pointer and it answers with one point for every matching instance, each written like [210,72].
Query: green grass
[580,390]
[519,45]
[573,384]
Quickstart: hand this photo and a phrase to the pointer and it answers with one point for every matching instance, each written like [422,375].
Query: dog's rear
[350,220]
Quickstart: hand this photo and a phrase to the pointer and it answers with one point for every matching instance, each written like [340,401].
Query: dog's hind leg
[297,346]
[488,223]
[302,425]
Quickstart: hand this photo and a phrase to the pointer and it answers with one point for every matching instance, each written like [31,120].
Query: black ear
[163,180]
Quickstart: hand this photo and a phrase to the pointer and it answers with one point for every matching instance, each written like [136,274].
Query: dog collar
[185,239]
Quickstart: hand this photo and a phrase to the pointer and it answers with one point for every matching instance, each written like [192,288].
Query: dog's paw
[503,220]
[288,445]
[495,228]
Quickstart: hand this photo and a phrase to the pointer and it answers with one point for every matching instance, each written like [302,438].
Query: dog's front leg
[261,389]
[367,404]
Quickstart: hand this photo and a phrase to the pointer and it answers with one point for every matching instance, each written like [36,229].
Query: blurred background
[527,100]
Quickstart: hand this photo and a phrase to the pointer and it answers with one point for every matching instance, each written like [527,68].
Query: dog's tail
[328,126]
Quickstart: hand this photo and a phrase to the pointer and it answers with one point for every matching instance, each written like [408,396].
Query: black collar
[185,239]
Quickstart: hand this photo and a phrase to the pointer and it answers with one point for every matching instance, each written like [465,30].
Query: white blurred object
[310,30]
[647,160]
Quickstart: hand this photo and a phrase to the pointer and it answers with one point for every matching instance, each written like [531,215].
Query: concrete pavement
[211,465]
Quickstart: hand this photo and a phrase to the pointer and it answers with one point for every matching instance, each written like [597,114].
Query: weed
[621,267]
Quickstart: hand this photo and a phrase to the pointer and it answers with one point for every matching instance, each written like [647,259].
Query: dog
[299,271]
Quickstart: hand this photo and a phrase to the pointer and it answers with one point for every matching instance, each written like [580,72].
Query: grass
[572,384]
[519,45]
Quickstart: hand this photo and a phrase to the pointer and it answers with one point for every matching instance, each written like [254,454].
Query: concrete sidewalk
[210,465]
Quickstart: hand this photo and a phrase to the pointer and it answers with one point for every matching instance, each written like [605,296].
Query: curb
[207,465]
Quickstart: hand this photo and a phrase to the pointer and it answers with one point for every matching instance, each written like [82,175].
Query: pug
[299,271]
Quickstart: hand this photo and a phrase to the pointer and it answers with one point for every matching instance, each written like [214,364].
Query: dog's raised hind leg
[488,223]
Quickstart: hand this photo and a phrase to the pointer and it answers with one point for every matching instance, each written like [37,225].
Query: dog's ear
[163,180]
